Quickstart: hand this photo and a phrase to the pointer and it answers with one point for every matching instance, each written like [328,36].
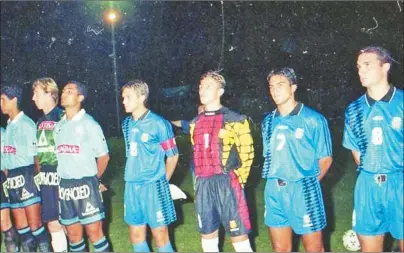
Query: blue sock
[141,247]
[101,245]
[77,246]
[167,248]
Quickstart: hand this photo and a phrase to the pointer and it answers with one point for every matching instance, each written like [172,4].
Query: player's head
[45,91]
[211,87]
[73,94]
[135,95]
[373,65]
[11,97]
[282,84]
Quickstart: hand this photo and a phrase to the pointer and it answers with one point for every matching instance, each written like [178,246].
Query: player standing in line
[149,140]
[374,133]
[10,233]
[223,153]
[298,153]
[20,154]
[46,97]
[82,155]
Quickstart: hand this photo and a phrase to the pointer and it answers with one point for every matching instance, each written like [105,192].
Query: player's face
[39,97]
[371,70]
[280,89]
[70,96]
[7,104]
[131,100]
[209,90]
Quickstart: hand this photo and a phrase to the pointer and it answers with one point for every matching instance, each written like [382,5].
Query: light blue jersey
[20,142]
[375,129]
[148,141]
[293,144]
[78,142]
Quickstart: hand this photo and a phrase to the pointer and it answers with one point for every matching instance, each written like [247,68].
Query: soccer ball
[351,241]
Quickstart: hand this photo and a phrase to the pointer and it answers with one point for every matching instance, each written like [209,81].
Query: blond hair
[215,76]
[49,86]
[140,87]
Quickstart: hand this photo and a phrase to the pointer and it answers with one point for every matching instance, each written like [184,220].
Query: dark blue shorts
[4,202]
[80,201]
[219,200]
[23,191]
[49,193]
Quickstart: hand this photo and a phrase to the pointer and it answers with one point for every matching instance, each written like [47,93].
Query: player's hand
[102,187]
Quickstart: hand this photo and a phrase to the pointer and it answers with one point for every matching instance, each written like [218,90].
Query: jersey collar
[15,120]
[387,98]
[78,116]
[296,111]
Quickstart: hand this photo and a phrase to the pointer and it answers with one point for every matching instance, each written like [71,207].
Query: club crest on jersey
[396,123]
[299,133]
[144,137]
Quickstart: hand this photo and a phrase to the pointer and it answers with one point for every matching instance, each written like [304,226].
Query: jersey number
[377,136]
[282,141]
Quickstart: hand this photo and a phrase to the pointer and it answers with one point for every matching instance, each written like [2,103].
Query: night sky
[170,44]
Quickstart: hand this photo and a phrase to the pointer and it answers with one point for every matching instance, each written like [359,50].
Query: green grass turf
[337,188]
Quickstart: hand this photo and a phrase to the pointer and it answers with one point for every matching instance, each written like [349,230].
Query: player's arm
[356,156]
[322,137]
[100,148]
[171,164]
[37,164]
[245,148]
[102,163]
[176,123]
[169,146]
[324,164]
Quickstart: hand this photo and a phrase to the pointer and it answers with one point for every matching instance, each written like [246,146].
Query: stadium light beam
[112,17]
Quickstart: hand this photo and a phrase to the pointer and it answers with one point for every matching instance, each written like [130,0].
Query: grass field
[337,187]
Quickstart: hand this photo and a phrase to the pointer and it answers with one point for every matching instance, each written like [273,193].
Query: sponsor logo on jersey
[282,127]
[9,150]
[75,193]
[49,178]
[47,125]
[16,182]
[68,149]
[396,123]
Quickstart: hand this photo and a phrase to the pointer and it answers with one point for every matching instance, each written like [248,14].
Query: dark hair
[12,92]
[81,88]
[289,73]
[383,54]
